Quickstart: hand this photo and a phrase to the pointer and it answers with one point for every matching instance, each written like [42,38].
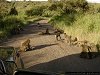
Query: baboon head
[65,35]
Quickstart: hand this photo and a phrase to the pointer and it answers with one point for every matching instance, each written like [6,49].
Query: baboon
[98,47]
[38,24]
[85,52]
[93,50]
[80,43]
[74,41]
[57,32]
[19,28]
[65,35]
[44,33]
[89,50]
[47,31]
[70,40]
[25,45]
[67,38]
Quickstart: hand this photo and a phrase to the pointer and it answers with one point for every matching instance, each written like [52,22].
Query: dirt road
[51,55]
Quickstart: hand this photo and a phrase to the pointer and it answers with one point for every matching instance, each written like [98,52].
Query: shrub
[35,11]
[52,7]
[8,24]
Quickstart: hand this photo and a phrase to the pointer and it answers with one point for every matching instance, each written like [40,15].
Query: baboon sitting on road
[85,52]
[25,45]
[93,50]
[89,51]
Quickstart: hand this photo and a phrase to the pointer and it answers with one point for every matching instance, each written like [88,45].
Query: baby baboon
[25,45]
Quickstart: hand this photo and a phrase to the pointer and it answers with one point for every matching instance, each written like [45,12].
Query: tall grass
[8,23]
[83,26]
[86,28]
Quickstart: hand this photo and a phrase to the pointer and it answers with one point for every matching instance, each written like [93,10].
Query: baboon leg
[29,47]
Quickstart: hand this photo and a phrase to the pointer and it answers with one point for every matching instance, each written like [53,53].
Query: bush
[35,11]
[8,24]
[52,7]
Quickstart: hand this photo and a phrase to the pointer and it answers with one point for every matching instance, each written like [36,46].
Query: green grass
[86,28]
[84,25]
[5,52]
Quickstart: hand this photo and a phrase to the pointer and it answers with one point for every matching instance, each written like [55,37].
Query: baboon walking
[58,34]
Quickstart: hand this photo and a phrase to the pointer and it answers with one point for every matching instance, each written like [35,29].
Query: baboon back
[25,45]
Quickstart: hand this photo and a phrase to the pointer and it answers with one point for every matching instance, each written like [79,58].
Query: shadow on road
[42,46]
[70,63]
[34,28]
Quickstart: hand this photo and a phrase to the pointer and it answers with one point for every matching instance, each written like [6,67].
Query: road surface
[51,55]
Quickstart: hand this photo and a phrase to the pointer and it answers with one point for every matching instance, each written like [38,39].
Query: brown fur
[85,51]
[25,45]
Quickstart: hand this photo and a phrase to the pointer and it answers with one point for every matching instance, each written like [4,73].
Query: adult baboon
[98,47]
[89,50]
[25,45]
[19,28]
[74,41]
[93,50]
[80,43]
[38,24]
[57,32]
[69,40]
[84,53]
[47,31]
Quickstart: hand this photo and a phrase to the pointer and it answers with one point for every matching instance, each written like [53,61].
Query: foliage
[52,7]
[37,10]
[8,24]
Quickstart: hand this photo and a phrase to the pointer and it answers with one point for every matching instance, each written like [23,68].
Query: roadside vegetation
[76,17]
